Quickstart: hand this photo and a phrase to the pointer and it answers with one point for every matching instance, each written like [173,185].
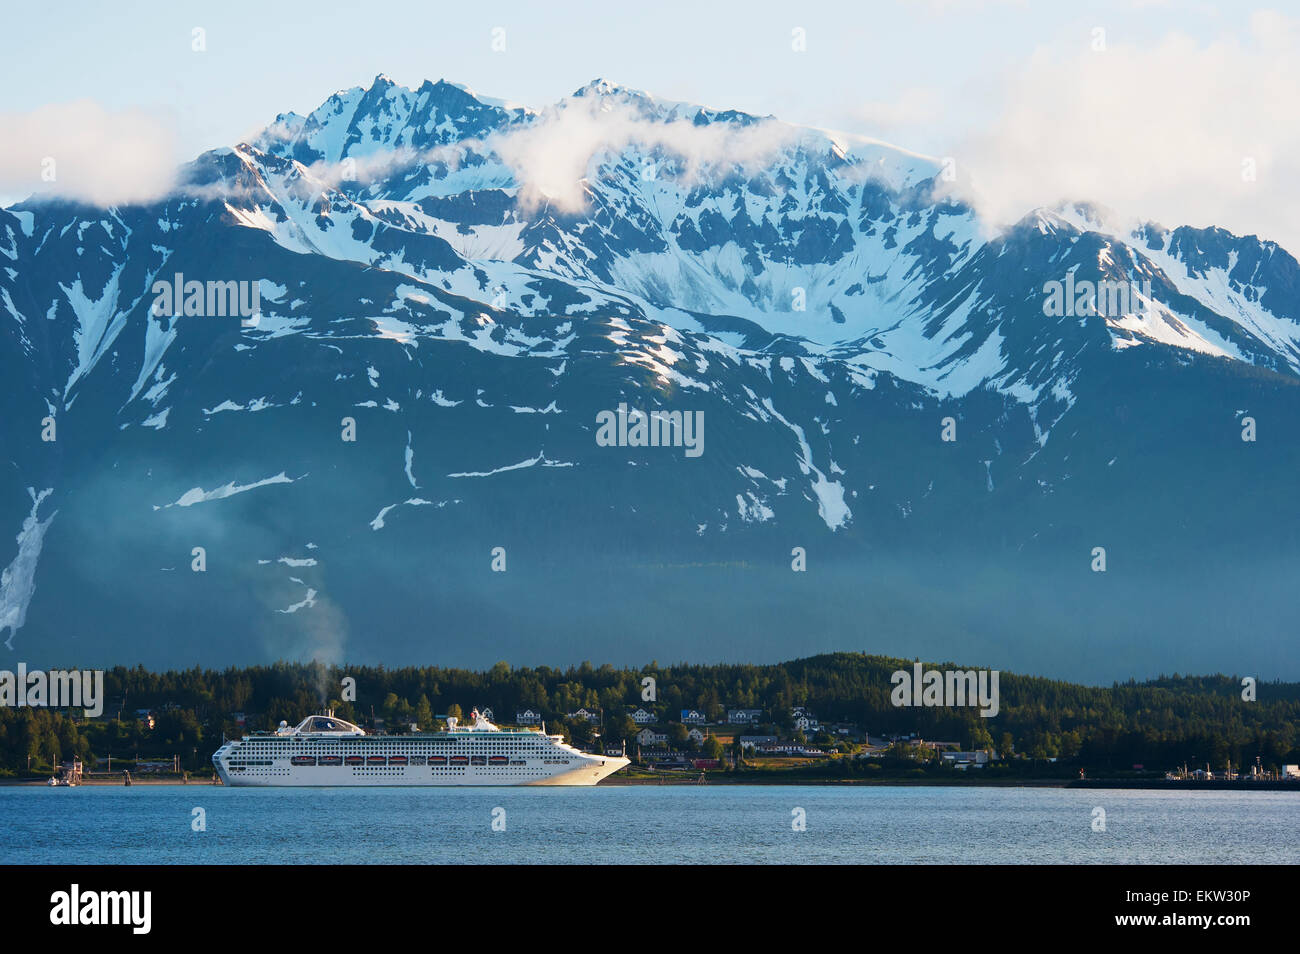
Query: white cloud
[95,155]
[1160,132]
[551,156]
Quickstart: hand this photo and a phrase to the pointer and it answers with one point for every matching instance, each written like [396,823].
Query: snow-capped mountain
[472,283]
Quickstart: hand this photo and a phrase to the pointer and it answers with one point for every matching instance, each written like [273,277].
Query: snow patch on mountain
[98,323]
[198,495]
[18,580]
[528,462]
[829,494]
[307,601]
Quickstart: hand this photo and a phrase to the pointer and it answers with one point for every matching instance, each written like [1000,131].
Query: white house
[965,760]
[643,717]
[528,717]
[693,717]
[753,741]
[589,715]
[695,735]
[744,716]
[665,757]
[806,723]
[787,748]
[651,737]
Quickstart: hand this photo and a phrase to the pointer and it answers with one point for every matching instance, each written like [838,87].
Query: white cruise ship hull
[294,776]
[479,756]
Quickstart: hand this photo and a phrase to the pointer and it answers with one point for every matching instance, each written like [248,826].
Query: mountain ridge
[474,324]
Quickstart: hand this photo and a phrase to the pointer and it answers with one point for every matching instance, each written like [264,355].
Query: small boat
[498,760]
[437,760]
[397,760]
[478,760]
[355,760]
[330,760]
[460,760]
[303,760]
[376,760]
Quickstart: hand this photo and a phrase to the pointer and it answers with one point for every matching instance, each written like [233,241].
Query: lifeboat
[330,760]
[355,760]
[498,760]
[460,760]
[303,760]
[437,760]
[397,760]
[376,760]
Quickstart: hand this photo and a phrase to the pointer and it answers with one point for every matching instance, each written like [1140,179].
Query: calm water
[642,824]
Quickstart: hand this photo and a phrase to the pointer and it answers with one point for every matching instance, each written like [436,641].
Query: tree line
[1160,723]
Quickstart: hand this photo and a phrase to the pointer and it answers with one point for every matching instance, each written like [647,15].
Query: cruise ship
[324,750]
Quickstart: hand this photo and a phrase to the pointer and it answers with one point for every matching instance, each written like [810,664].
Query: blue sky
[942,77]
[262,58]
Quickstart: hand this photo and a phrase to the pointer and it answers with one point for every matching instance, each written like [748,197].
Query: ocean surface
[643,824]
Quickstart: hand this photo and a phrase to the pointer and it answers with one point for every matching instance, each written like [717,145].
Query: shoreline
[104,782]
[1100,783]
[615,781]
